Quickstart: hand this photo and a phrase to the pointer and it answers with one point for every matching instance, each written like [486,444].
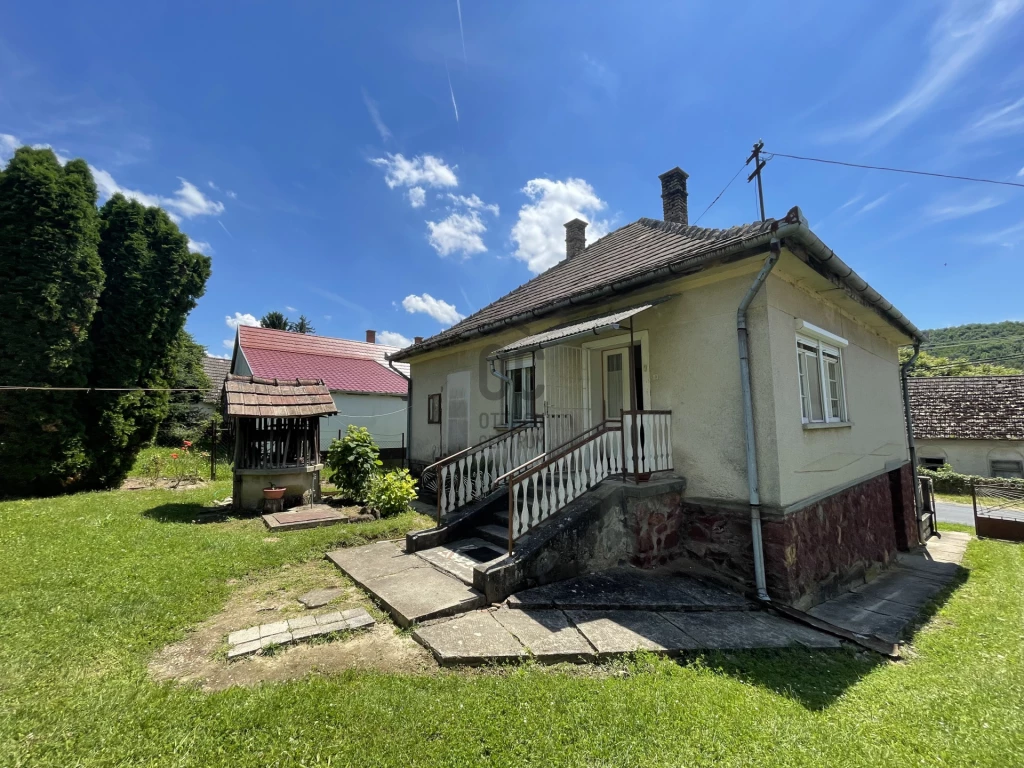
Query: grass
[147,455]
[955,498]
[94,584]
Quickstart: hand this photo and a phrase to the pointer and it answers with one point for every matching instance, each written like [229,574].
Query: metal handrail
[484,443]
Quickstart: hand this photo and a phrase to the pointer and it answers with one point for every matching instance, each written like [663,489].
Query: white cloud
[440,310]
[8,144]
[1008,238]
[1020,173]
[213,186]
[229,344]
[473,202]
[378,123]
[874,203]
[393,339]
[187,201]
[241,319]
[944,211]
[200,246]
[454,105]
[291,309]
[540,231]
[459,233]
[225,356]
[417,197]
[425,170]
[62,158]
[231,194]
[1004,121]
[960,35]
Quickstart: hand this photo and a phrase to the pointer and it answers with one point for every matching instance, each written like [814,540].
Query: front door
[615,368]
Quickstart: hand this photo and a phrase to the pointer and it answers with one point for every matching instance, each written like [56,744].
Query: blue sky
[397,165]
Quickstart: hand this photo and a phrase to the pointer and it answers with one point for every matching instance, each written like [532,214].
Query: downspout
[748,418]
[408,414]
[909,420]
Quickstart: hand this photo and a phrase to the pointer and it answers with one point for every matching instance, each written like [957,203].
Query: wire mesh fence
[998,510]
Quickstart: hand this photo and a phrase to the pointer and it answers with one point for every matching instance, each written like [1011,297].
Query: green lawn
[94,584]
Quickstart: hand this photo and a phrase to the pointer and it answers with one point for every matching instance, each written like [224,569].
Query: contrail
[456,106]
[462,34]
[225,229]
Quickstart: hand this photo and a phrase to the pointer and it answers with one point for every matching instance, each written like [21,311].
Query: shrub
[352,461]
[390,492]
[946,480]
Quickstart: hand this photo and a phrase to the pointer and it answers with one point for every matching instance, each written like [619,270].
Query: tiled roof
[968,407]
[216,370]
[344,365]
[253,396]
[628,258]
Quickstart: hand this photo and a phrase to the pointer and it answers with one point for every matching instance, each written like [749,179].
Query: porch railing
[546,484]
[474,472]
[646,442]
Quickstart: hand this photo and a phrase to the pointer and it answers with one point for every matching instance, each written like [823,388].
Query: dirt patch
[145,484]
[201,657]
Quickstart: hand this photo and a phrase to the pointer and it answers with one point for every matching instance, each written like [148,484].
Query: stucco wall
[812,461]
[383,415]
[971,457]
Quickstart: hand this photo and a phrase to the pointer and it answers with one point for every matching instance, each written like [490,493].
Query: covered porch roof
[560,334]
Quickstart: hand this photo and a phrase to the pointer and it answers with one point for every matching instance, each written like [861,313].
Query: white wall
[383,415]
[971,457]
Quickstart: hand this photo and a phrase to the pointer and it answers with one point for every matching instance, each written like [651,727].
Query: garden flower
[174,455]
[188,443]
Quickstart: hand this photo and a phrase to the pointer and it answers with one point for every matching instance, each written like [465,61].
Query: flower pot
[273,493]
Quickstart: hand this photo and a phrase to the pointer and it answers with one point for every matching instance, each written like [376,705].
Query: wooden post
[213,450]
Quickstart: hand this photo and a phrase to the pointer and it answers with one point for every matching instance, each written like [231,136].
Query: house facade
[794,453]
[367,391]
[973,423]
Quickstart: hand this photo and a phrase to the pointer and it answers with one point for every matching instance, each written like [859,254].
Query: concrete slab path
[406,586]
[245,642]
[882,609]
[305,517]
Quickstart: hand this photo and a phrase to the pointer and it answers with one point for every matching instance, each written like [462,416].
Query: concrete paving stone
[450,558]
[926,568]
[471,638]
[304,632]
[547,634]
[361,622]
[352,613]
[274,628]
[856,619]
[901,586]
[372,561]
[329,618]
[338,626]
[800,633]
[244,636]
[301,622]
[281,638]
[712,595]
[244,649]
[318,598]
[614,632]
[424,593]
[733,630]
[861,601]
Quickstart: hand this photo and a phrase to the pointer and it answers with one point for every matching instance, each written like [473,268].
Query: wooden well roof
[252,396]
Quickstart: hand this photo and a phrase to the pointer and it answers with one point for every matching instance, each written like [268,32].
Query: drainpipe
[408,414]
[909,420]
[748,418]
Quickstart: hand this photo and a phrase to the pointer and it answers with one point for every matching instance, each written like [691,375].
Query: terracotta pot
[273,493]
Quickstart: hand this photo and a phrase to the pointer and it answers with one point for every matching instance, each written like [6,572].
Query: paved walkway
[248,641]
[881,609]
[305,517]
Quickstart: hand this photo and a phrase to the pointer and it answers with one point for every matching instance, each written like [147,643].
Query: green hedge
[948,481]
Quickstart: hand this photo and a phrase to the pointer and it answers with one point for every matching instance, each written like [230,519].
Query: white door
[456,409]
[615,373]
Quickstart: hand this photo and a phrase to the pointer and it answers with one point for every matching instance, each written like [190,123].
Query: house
[973,423]
[367,391]
[748,374]
[216,370]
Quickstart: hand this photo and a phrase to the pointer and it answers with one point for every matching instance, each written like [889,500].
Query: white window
[1007,468]
[820,374]
[519,392]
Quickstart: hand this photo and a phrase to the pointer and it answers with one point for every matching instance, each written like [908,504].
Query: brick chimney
[673,196]
[417,340]
[575,238]
[371,337]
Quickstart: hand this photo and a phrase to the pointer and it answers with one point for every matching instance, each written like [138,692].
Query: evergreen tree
[51,281]
[302,326]
[186,418]
[153,282]
[275,320]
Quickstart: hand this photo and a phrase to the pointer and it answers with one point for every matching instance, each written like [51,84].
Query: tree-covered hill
[980,341]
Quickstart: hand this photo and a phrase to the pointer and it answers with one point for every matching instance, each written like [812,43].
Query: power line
[720,194]
[990,361]
[898,170]
[101,389]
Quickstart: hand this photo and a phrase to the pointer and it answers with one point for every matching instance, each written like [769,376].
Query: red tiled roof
[347,366]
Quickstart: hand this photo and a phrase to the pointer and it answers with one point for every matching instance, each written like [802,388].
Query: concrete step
[459,557]
[406,586]
[494,534]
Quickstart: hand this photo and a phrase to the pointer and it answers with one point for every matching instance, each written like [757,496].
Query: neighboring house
[366,391]
[973,423]
[216,370]
[645,319]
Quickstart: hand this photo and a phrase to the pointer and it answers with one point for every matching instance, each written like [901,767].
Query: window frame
[434,408]
[1015,473]
[511,366]
[822,348]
